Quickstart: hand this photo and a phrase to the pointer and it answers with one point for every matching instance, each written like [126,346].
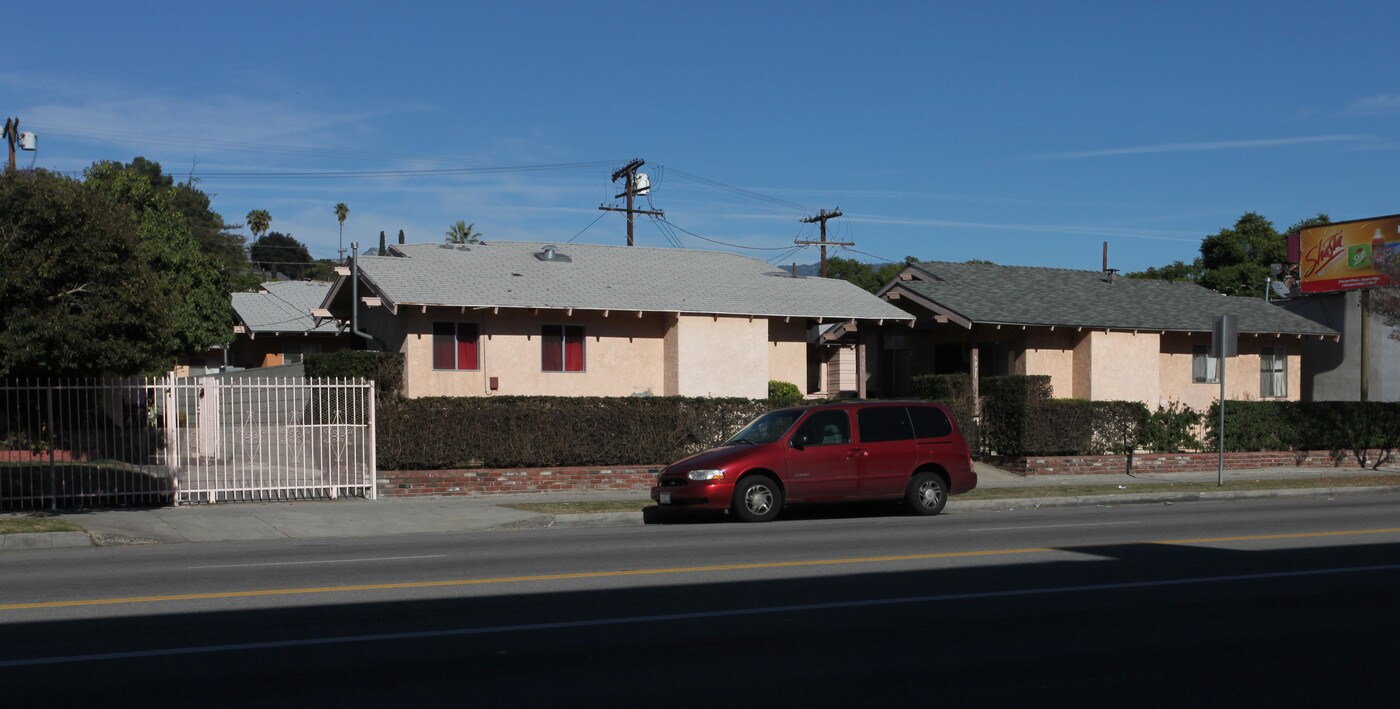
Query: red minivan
[849,450]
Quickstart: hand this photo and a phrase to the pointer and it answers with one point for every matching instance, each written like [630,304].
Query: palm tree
[341,212]
[463,233]
[259,220]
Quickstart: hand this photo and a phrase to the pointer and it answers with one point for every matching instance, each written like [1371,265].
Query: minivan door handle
[858,453]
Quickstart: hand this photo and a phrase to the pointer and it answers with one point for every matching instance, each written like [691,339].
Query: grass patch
[21,525]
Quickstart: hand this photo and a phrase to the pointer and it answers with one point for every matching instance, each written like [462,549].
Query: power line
[726,243]
[590,225]
[751,194]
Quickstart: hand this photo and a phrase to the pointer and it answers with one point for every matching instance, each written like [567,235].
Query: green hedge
[1305,425]
[784,393]
[1078,427]
[385,368]
[1006,403]
[955,392]
[543,431]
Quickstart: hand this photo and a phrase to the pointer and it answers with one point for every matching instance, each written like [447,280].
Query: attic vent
[551,253]
[454,247]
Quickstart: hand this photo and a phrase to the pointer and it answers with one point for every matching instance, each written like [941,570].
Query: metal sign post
[1224,342]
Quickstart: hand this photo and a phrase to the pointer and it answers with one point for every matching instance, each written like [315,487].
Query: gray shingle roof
[1021,295]
[595,277]
[283,306]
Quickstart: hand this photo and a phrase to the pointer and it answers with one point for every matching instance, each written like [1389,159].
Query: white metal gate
[228,437]
[239,438]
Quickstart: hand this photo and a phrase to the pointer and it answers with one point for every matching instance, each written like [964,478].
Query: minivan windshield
[766,428]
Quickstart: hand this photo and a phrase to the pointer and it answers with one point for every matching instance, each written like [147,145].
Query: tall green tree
[259,221]
[462,233]
[277,252]
[870,277]
[189,282]
[216,239]
[341,212]
[1235,260]
[78,291]
[1174,271]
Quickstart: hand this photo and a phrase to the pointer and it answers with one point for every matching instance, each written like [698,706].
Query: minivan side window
[929,422]
[884,423]
[825,428]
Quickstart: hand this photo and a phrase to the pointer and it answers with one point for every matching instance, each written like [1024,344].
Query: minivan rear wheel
[926,494]
[757,498]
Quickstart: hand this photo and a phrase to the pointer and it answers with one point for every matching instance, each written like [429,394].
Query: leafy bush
[943,387]
[1254,426]
[784,393]
[385,368]
[1172,429]
[1005,404]
[538,431]
[955,392]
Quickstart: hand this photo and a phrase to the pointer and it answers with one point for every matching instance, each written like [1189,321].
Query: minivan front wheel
[757,498]
[926,494]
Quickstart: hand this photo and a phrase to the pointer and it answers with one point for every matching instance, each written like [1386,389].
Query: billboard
[1349,255]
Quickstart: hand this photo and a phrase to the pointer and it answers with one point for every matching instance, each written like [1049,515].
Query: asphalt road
[1246,602]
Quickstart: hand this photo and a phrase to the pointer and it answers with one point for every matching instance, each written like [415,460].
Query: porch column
[974,350]
[860,365]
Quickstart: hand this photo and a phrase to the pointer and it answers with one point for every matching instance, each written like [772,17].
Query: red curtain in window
[552,348]
[443,335]
[573,348]
[467,346]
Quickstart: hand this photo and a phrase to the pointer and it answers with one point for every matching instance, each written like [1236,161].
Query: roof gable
[282,306]
[596,277]
[1023,295]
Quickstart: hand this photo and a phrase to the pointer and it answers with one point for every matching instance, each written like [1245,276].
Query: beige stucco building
[1096,336]
[515,318]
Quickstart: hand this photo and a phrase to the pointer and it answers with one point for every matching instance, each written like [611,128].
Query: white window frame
[1205,369]
[1273,372]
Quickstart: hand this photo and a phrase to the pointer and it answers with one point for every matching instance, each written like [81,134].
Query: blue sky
[1026,133]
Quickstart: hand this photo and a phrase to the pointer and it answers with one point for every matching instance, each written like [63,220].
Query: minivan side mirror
[799,441]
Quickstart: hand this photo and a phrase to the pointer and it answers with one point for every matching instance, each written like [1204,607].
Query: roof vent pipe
[550,252]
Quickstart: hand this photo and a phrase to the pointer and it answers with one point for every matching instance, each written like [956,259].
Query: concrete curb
[1147,498]
[597,519]
[45,540]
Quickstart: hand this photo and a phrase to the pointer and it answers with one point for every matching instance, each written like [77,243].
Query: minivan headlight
[705,475]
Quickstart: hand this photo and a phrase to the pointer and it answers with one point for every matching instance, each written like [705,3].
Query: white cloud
[1203,146]
[1374,105]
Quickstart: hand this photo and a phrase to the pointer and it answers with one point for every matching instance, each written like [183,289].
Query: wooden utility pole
[630,172]
[822,217]
[12,135]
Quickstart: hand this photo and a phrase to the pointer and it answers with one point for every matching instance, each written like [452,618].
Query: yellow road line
[653,572]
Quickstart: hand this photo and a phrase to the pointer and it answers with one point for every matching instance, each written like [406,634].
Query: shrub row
[1306,425]
[385,368]
[542,431]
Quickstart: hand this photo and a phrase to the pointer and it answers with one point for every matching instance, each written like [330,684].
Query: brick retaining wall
[1178,462]
[409,483]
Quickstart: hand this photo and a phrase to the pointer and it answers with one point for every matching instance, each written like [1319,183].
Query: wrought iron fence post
[51,481]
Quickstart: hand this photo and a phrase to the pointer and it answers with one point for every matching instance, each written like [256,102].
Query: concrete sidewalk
[428,515]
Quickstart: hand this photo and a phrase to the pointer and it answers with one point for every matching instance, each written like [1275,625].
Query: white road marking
[672,617]
[324,561]
[1052,526]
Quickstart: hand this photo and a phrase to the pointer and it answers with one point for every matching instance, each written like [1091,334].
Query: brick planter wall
[1178,462]
[409,483]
